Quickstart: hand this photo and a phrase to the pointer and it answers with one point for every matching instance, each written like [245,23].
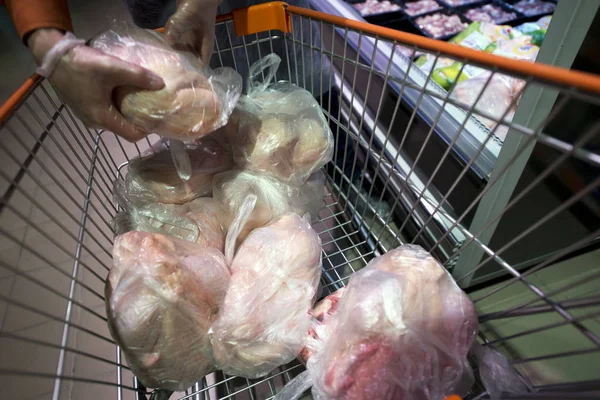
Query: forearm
[41,41]
[30,15]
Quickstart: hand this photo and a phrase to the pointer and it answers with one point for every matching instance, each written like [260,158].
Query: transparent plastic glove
[85,79]
[194,24]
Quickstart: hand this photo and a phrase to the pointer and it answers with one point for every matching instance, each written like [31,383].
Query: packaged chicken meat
[439,25]
[497,99]
[518,48]
[195,100]
[275,198]
[281,130]
[274,281]
[372,7]
[427,62]
[197,221]
[420,7]
[534,7]
[162,295]
[479,35]
[490,13]
[402,330]
[154,178]
[455,3]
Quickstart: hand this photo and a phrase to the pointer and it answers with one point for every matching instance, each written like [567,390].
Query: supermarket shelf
[447,118]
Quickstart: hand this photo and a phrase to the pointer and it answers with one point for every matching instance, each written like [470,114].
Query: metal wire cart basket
[392,181]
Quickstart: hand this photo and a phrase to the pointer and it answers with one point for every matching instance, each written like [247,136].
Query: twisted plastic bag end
[294,389]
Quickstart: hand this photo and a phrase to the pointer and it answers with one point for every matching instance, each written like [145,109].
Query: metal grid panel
[57,234]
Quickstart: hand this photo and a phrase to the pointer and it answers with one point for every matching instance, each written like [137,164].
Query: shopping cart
[57,206]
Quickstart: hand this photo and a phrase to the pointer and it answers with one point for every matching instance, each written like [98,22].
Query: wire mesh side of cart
[382,190]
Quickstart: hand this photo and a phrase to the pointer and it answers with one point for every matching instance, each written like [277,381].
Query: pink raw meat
[195,100]
[162,295]
[402,330]
[275,277]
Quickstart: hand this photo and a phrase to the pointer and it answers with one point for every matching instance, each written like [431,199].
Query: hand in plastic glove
[194,24]
[85,79]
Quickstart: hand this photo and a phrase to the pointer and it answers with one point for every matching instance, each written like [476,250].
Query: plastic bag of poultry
[196,221]
[281,130]
[195,100]
[275,198]
[499,97]
[274,281]
[497,375]
[402,330]
[162,295]
[154,178]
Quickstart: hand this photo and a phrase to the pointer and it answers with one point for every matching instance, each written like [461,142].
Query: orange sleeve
[28,15]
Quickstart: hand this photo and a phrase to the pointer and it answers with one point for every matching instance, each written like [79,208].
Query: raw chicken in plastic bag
[281,130]
[275,198]
[153,177]
[196,221]
[275,277]
[401,330]
[162,295]
[195,100]
[498,97]
[497,375]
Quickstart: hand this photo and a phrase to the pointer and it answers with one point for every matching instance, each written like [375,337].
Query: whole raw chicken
[195,100]
[195,221]
[288,145]
[498,95]
[154,178]
[401,330]
[279,129]
[274,198]
[264,319]
[162,295]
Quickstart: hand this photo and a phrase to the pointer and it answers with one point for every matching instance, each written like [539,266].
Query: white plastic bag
[498,96]
[274,198]
[281,130]
[497,375]
[197,221]
[275,277]
[195,100]
[402,330]
[153,178]
[162,295]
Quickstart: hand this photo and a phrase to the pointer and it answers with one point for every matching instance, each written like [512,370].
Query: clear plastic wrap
[275,277]
[197,221]
[281,130]
[275,198]
[496,373]
[153,177]
[162,295]
[402,330]
[497,97]
[195,100]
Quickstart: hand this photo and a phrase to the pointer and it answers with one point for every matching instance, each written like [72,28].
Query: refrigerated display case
[451,165]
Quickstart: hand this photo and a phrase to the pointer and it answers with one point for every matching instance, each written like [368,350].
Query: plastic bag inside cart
[387,185]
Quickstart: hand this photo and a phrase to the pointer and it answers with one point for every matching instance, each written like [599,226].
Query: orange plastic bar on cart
[261,18]
[13,101]
[453,397]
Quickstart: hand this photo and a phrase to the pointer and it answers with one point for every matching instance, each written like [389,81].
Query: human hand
[85,79]
[194,24]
